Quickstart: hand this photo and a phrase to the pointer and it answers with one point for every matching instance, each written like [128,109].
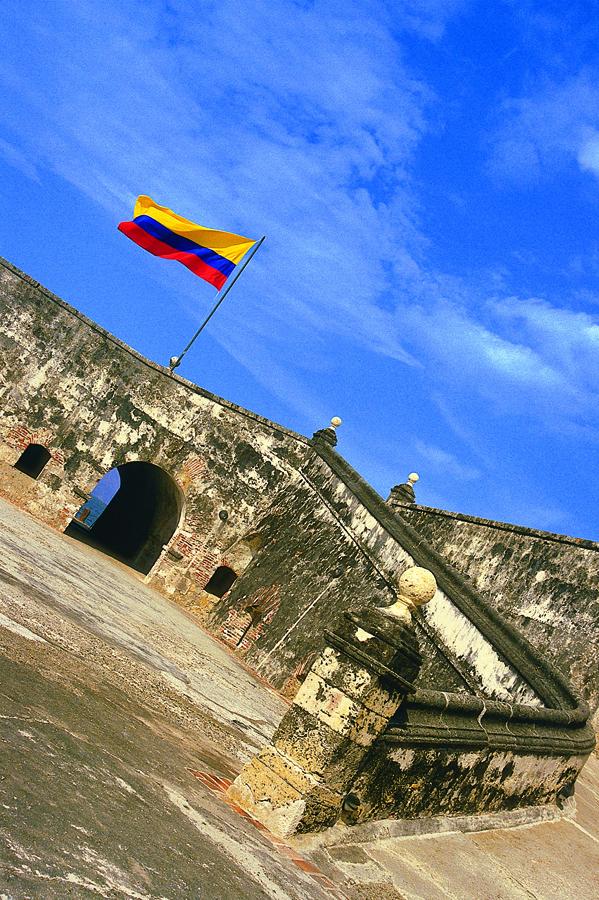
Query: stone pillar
[328,435]
[299,781]
[404,494]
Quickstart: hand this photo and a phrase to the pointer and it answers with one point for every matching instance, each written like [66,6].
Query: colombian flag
[212,255]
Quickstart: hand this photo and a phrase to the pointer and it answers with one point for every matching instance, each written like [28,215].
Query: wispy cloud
[588,152]
[554,125]
[307,130]
[297,130]
[445,464]
[305,133]
[16,158]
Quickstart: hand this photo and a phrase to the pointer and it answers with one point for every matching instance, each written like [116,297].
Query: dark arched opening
[221,581]
[32,460]
[139,520]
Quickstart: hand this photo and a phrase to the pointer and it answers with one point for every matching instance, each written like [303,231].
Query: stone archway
[140,518]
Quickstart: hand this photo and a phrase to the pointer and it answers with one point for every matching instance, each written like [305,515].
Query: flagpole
[175,361]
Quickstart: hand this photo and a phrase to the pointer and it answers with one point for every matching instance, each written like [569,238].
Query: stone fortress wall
[546,584]
[302,536]
[68,385]
[293,527]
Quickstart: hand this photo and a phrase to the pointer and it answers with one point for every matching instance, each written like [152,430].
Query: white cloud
[443,463]
[428,17]
[14,157]
[588,154]
[287,128]
[456,339]
[568,341]
[305,130]
[555,124]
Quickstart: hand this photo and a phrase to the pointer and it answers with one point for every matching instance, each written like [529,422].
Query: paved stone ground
[110,695]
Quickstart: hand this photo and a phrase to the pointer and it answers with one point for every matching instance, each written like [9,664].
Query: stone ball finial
[416,586]
[328,435]
[404,493]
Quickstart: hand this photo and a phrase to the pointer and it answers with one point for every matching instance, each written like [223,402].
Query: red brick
[305,866]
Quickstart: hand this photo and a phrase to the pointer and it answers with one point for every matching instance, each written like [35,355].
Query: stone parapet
[300,781]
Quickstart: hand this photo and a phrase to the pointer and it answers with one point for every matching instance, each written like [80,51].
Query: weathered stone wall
[316,538]
[330,545]
[547,585]
[360,743]
[300,782]
[318,569]
[445,754]
[308,538]
[94,403]
[418,782]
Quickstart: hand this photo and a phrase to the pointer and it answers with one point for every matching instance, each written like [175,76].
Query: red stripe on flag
[159,248]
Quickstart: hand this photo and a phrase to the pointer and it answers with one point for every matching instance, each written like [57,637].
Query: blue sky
[427,175]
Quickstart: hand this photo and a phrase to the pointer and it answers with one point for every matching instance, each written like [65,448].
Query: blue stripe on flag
[178,242]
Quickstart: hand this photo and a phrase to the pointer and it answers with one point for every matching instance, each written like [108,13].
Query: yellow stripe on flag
[232,246]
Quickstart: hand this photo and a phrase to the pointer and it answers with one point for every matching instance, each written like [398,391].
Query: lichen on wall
[329,554]
[547,585]
[96,404]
